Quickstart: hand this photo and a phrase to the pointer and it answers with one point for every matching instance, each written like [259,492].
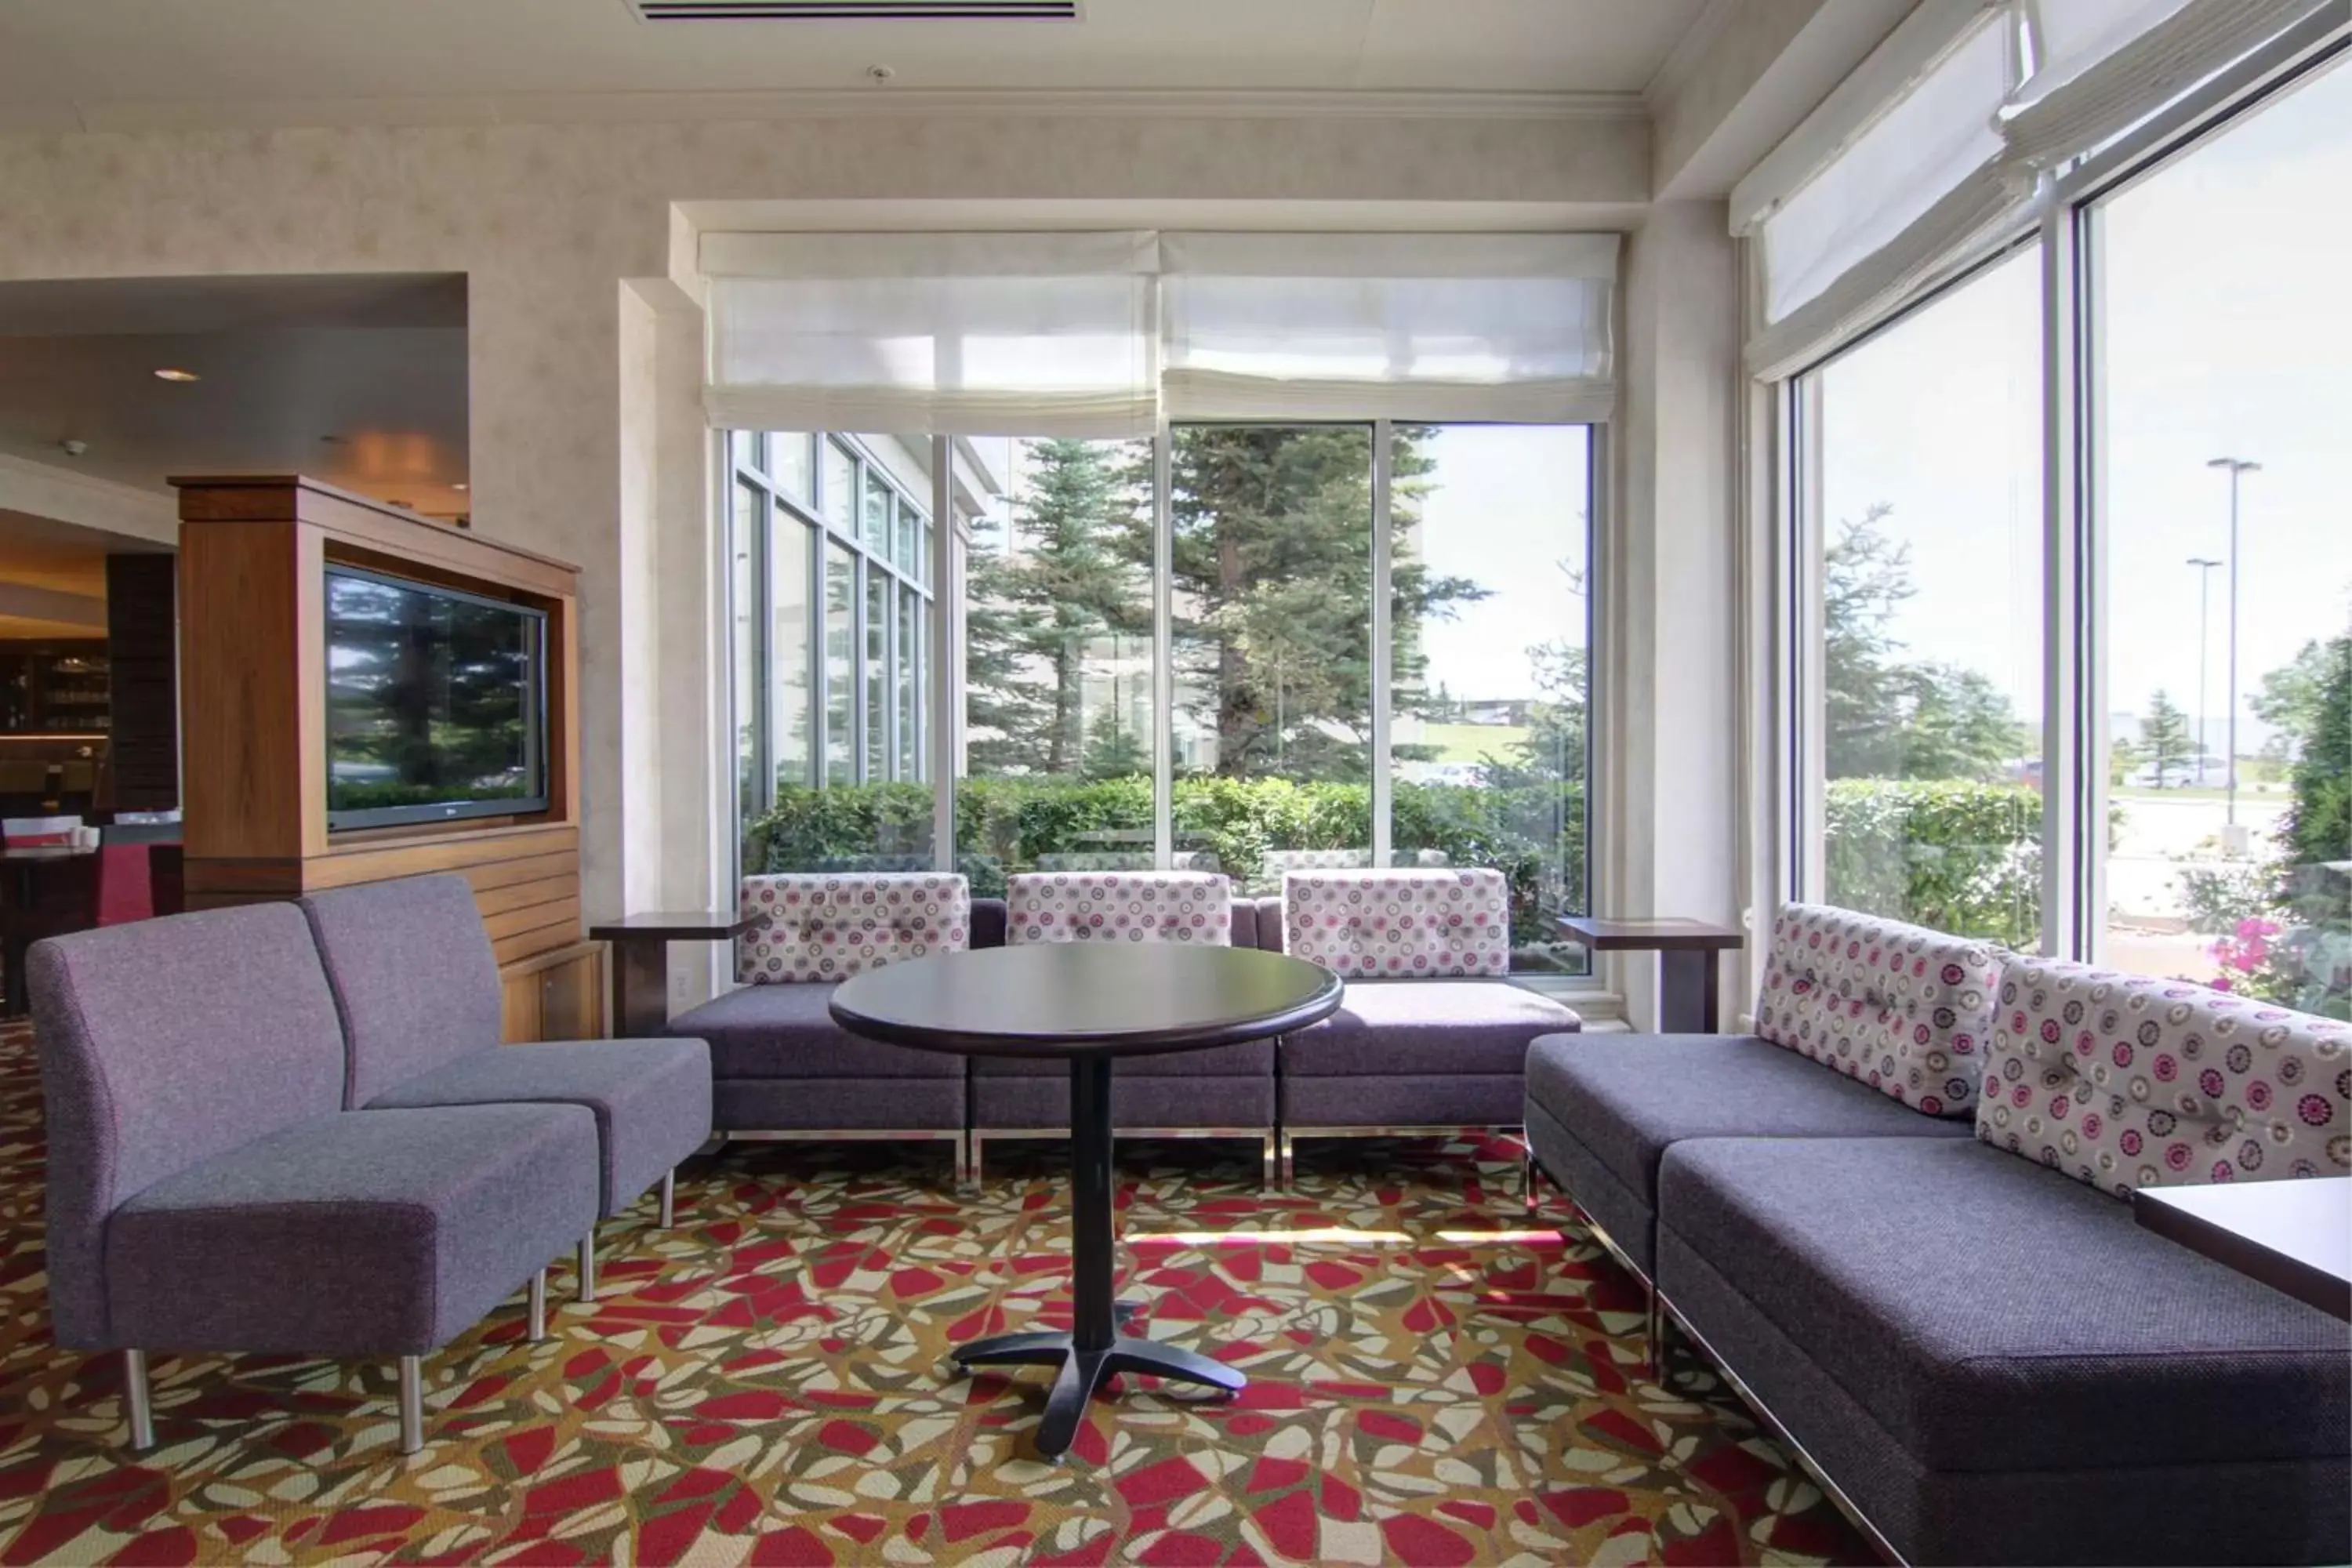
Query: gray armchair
[417,985]
[209,1192]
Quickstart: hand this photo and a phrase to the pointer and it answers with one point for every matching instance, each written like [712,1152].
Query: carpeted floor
[1434,1380]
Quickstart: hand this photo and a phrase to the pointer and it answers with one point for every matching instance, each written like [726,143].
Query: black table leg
[1094,1350]
[1686,993]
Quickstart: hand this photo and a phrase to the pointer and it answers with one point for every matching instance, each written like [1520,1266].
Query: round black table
[1088,1004]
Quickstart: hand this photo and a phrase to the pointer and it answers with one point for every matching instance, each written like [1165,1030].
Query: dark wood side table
[2294,1235]
[641,961]
[1087,1003]
[1689,991]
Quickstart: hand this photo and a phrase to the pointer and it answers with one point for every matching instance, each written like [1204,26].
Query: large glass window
[1489,672]
[2227,637]
[1919,465]
[1053,674]
[1057,663]
[829,616]
[1272,606]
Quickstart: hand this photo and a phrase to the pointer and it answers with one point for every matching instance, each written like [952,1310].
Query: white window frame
[1783,568]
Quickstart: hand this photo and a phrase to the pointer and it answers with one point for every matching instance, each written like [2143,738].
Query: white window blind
[2106,65]
[1920,188]
[957,334]
[1919,151]
[1439,327]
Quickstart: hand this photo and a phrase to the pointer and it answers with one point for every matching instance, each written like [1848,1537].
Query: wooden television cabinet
[253,649]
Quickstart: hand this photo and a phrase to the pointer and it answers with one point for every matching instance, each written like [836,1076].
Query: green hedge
[1534,835]
[1960,857]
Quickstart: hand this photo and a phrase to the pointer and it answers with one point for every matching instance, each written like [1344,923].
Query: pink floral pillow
[1902,1009]
[2126,1082]
[818,927]
[1399,925]
[1119,905]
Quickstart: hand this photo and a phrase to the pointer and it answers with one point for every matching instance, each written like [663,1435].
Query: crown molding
[898,103]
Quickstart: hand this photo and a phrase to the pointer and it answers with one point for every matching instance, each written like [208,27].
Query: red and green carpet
[1434,1380]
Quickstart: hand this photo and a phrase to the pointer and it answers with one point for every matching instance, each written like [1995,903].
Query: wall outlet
[677,989]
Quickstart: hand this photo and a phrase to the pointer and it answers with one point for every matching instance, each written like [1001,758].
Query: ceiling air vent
[855,10]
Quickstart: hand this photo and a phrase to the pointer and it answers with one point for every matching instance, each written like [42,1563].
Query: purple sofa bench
[780,1069]
[1431,1035]
[209,1190]
[1892,1216]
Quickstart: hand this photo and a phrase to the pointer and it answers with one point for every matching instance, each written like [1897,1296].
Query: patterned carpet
[1434,1381]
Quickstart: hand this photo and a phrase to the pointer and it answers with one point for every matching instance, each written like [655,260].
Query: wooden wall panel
[252,571]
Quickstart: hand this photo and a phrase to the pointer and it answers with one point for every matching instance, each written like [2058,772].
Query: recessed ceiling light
[173,372]
[460,485]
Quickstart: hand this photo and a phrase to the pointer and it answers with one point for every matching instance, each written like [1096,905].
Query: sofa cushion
[378,940]
[1192,906]
[1902,1009]
[784,1031]
[2126,1082]
[1398,924]
[1993,1315]
[359,1233]
[1629,1098]
[810,927]
[651,1099]
[163,1043]
[1408,1027]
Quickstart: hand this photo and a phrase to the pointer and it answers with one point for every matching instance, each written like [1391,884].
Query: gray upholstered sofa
[1431,1036]
[1895,1217]
[209,1191]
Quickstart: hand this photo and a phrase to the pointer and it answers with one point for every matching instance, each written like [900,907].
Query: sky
[2227,331]
[1506,506]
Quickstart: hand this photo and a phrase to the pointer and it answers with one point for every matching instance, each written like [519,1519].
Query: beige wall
[550,222]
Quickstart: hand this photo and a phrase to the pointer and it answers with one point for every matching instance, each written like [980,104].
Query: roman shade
[1915,185]
[1419,326]
[932,334]
[1101,335]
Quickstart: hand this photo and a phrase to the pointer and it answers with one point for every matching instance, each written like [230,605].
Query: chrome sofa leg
[1528,1179]
[135,1404]
[588,1266]
[536,1330]
[968,1156]
[412,1403]
[669,1199]
[1655,1331]
[1269,1173]
[1287,1176]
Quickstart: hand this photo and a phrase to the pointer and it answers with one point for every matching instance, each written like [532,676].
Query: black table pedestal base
[1094,1350]
[1084,1372]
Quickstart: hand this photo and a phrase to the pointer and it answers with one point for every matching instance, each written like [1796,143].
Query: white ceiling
[359,381]
[102,61]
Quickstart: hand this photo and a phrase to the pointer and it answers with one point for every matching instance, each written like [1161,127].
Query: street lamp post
[2204,617]
[2238,467]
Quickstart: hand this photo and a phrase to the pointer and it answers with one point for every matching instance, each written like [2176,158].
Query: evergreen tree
[1272,590]
[2164,738]
[1113,748]
[1888,716]
[1039,610]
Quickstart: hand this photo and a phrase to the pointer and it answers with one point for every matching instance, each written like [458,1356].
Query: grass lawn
[1473,742]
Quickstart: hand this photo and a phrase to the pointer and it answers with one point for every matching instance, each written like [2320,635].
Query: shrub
[1533,833]
[1960,857]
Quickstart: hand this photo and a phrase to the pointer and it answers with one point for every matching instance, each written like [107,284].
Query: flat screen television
[437,703]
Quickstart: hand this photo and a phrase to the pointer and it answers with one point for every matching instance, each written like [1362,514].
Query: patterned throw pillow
[815,927]
[2124,1081]
[1902,1009]
[1399,925]
[1119,905]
